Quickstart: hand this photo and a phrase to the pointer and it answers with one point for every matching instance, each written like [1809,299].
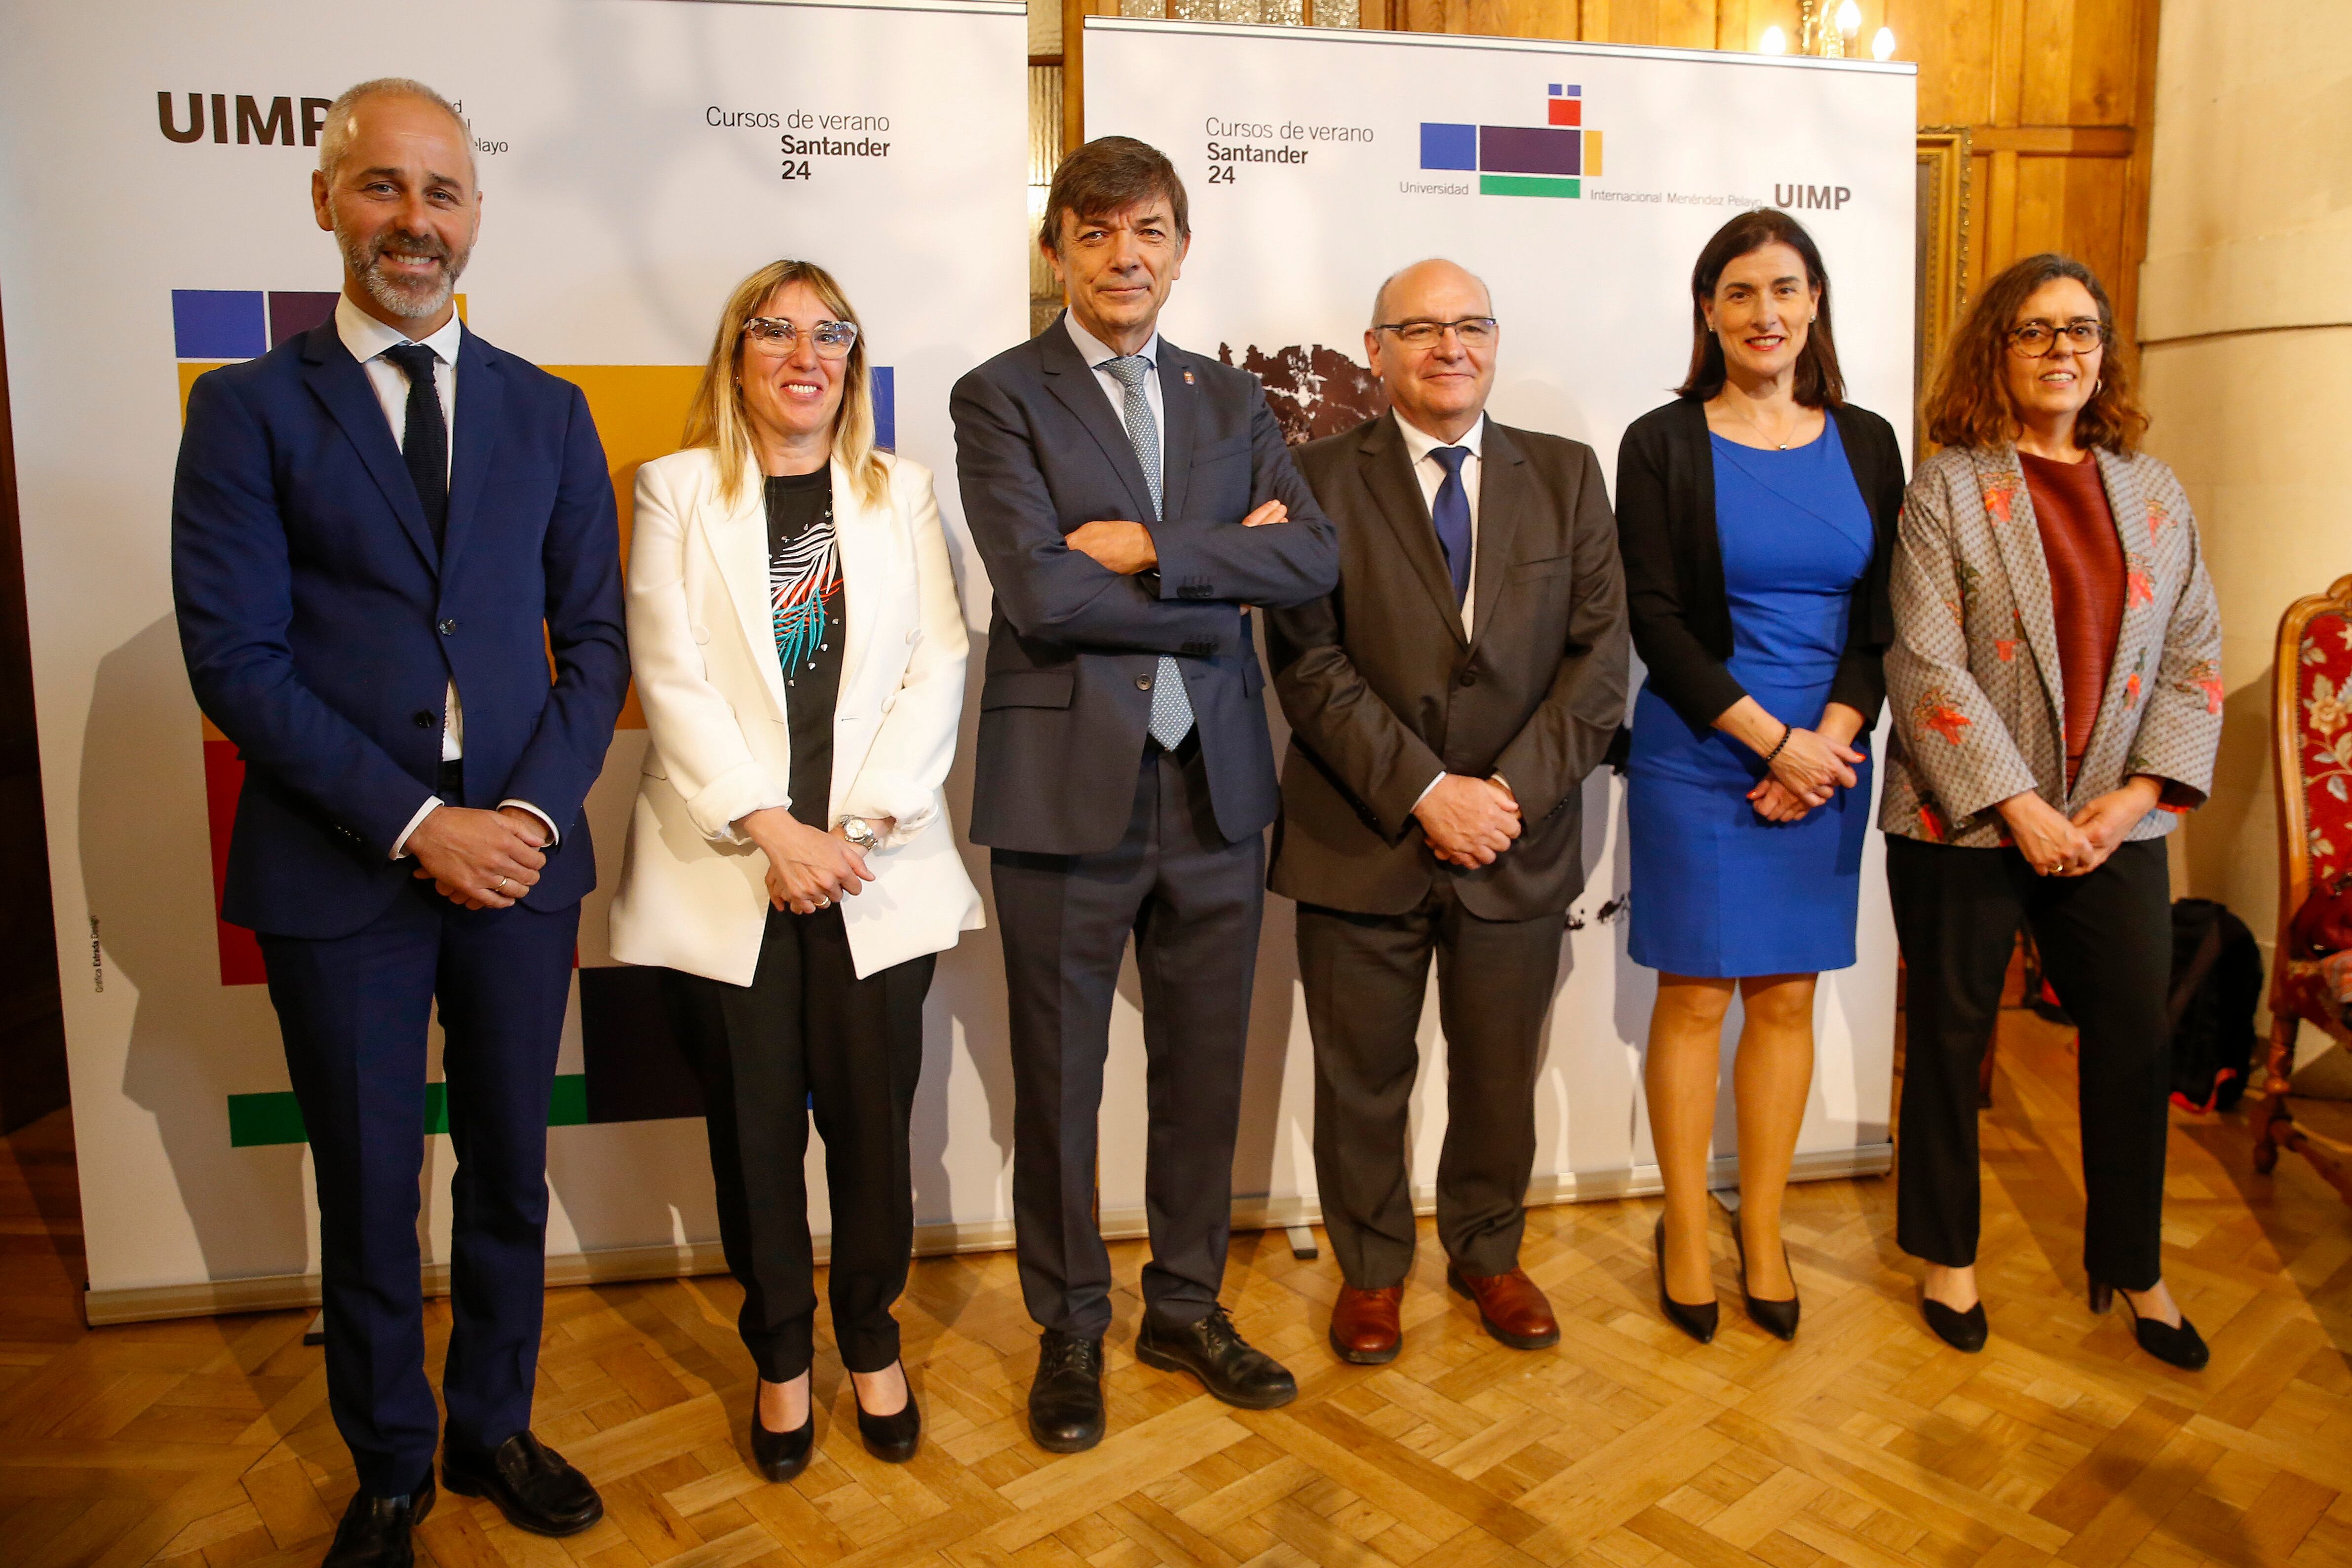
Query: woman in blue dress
[1756,515]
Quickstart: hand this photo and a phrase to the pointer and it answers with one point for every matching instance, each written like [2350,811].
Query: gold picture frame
[1941,256]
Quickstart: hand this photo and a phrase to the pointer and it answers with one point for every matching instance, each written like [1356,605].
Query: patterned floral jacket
[1973,676]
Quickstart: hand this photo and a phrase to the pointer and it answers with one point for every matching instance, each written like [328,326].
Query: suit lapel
[860,534]
[481,405]
[739,537]
[1387,472]
[339,382]
[1180,412]
[1503,485]
[2127,676]
[2017,535]
[1071,381]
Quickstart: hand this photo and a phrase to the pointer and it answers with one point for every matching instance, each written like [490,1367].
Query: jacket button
[1143,683]
[423,720]
[448,627]
[1469,677]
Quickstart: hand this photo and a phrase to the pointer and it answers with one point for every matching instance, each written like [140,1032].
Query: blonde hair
[718,420]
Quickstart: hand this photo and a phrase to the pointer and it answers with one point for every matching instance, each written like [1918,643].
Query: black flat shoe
[530,1483]
[781,1456]
[374,1531]
[891,1438]
[1066,1401]
[1695,1318]
[1213,1351]
[2174,1345]
[1962,1331]
[1778,1319]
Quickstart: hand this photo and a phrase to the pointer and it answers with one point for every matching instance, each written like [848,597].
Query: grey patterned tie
[1171,710]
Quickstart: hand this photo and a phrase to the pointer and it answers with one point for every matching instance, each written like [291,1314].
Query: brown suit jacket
[1384,690]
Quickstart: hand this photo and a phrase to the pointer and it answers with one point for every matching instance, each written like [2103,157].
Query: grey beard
[409,301]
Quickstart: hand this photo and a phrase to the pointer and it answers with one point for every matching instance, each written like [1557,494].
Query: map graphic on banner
[636,160]
[1319,161]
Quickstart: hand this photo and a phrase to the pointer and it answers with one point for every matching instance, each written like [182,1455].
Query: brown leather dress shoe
[1364,1324]
[1511,1306]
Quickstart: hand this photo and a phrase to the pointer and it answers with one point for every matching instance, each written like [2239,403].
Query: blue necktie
[425,445]
[1452,515]
[1171,710]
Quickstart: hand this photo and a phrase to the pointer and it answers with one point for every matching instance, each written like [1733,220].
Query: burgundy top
[2086,585]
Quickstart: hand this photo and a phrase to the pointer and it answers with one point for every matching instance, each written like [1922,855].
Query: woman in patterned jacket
[2055,681]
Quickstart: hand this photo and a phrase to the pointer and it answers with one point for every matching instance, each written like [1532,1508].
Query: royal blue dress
[1719,891]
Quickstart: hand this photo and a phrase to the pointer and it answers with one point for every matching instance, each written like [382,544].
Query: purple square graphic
[1529,150]
[292,315]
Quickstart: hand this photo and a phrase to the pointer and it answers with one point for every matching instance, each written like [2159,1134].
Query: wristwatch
[860,832]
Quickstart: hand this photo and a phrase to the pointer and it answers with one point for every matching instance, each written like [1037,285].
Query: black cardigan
[1675,597]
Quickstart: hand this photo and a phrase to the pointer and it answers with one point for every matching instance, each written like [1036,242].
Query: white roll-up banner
[1579,181]
[636,159]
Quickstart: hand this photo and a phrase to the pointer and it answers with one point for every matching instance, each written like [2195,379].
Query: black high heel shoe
[1962,1331]
[781,1456]
[891,1438]
[1697,1320]
[1778,1319]
[2174,1345]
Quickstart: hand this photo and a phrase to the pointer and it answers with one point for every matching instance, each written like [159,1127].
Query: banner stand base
[279,1293]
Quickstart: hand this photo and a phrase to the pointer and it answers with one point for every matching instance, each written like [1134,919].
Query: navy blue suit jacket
[1072,645]
[322,629]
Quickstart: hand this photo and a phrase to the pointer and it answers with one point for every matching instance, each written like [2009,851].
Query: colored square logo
[1568,112]
[291,314]
[884,379]
[217,324]
[1449,146]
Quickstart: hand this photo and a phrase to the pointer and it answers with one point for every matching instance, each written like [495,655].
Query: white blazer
[693,894]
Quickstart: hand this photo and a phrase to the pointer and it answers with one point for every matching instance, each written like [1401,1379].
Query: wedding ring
[501,885]
[824,903]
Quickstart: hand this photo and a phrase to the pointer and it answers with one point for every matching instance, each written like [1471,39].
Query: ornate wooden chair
[2311,725]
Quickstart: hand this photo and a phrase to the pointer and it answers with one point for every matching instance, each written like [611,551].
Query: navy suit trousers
[355,1012]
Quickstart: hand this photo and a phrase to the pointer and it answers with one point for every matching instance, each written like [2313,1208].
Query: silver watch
[858,831]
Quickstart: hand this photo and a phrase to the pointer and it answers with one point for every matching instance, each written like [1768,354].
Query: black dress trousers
[1365,976]
[1192,901]
[808,1034]
[2105,941]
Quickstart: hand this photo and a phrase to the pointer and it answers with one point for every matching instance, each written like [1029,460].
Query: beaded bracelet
[1785,731]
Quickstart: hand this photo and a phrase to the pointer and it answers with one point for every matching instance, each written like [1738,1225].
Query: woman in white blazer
[799,650]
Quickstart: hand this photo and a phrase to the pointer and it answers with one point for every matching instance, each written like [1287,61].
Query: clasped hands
[809,870]
[478,858]
[2056,845]
[1467,822]
[1127,547]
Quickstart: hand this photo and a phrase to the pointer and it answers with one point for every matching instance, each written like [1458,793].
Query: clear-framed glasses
[2035,340]
[776,336]
[1472,331]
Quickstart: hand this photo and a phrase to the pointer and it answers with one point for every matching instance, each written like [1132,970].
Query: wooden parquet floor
[207,1444]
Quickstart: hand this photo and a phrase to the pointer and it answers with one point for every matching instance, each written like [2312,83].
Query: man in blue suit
[1131,500]
[382,533]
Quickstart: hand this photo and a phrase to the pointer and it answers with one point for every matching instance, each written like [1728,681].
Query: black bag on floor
[2216,983]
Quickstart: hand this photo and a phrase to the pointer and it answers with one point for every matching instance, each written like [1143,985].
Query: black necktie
[425,445]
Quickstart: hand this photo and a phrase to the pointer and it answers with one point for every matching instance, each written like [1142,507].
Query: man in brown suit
[1447,701]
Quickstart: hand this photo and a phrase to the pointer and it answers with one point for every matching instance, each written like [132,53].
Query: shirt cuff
[553,838]
[1417,800]
[400,845]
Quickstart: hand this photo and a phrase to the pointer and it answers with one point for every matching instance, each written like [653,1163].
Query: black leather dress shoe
[1696,1319]
[1962,1331]
[781,1456]
[1777,1318]
[2176,1344]
[1213,1351]
[891,1438]
[1066,1401]
[529,1482]
[375,1531]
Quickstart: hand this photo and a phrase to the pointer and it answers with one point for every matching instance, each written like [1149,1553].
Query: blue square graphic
[1449,146]
[218,324]
[1555,89]
[884,383]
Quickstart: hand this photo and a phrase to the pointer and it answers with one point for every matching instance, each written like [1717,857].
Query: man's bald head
[335,136]
[1435,269]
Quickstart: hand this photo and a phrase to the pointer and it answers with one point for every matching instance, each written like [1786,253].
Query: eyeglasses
[1472,331]
[776,338]
[2036,339]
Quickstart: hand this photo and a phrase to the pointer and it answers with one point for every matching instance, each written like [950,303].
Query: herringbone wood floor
[1865,1444]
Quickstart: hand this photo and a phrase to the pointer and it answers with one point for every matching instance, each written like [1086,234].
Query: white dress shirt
[368,338]
[1096,354]
[1418,446]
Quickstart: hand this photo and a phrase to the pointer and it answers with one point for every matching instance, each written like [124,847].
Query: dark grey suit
[1097,833]
[1384,690]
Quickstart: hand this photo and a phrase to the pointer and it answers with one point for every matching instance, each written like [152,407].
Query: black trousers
[355,1012]
[808,1035]
[1192,902]
[2105,941]
[1365,978]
